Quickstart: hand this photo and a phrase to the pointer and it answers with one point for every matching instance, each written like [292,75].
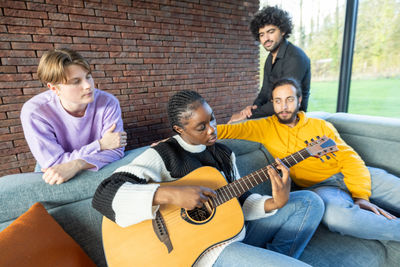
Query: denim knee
[313,200]
[338,216]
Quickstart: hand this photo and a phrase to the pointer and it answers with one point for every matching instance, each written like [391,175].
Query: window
[375,83]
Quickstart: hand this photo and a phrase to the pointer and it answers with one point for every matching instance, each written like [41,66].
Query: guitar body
[138,245]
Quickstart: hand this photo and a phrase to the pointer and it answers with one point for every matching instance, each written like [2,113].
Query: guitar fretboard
[244,184]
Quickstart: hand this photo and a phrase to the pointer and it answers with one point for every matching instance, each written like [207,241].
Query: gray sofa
[376,139]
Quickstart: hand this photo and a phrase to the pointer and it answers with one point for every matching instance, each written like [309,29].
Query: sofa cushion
[36,239]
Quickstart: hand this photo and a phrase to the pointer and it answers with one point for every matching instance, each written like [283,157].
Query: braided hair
[180,107]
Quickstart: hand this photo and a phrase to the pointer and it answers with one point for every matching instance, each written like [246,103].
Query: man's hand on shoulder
[242,115]
[366,205]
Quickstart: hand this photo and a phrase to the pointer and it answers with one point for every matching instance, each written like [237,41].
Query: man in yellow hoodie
[343,182]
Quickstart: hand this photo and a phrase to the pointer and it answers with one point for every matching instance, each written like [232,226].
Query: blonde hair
[52,65]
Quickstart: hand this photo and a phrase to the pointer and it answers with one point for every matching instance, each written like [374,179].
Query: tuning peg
[333,154]
[306,142]
[318,137]
[321,159]
[312,139]
[327,157]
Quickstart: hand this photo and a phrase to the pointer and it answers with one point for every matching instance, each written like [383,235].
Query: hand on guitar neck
[280,187]
[190,197]
[187,197]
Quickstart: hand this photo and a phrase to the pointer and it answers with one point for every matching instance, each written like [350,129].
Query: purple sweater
[54,136]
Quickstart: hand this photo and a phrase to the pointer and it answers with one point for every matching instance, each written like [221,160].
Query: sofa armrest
[376,139]
[18,192]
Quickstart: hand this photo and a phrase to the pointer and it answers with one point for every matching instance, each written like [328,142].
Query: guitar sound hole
[197,215]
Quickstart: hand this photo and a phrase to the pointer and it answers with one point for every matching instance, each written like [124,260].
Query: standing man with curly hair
[272,26]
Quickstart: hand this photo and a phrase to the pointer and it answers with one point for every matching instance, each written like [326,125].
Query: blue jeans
[286,232]
[343,216]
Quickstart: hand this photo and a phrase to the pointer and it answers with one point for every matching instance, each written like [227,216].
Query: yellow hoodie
[282,140]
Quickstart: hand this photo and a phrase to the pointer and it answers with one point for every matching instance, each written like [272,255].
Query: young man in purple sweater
[72,126]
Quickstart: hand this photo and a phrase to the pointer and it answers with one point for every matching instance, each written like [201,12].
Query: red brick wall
[140,51]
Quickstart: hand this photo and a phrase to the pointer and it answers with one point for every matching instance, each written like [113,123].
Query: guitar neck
[244,184]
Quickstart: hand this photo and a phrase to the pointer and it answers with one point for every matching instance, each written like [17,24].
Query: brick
[59,16]
[116,22]
[4,130]
[24,13]
[104,34]
[15,99]
[105,48]
[86,19]
[30,69]
[89,40]
[102,6]
[5,45]
[52,39]
[15,37]
[76,47]
[41,7]
[14,77]
[129,60]
[29,168]
[62,24]
[110,14]
[9,137]
[6,145]
[28,30]
[69,32]
[73,3]
[126,79]
[8,159]
[110,67]
[19,84]
[8,69]
[90,54]
[135,17]
[97,27]
[19,61]
[24,156]
[21,21]
[13,4]
[35,46]
[17,128]
[121,42]
[113,73]
[129,29]
[74,10]
[21,145]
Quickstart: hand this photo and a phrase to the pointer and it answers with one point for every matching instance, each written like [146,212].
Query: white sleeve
[133,203]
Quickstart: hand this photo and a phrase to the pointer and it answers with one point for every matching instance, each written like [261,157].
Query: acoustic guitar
[178,237]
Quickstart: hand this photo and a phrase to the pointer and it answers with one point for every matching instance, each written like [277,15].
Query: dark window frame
[346,63]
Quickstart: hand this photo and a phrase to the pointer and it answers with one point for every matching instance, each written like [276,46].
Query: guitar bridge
[161,231]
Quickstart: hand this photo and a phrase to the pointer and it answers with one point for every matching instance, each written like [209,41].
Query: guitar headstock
[321,146]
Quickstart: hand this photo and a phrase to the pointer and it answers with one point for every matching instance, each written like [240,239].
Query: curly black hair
[271,15]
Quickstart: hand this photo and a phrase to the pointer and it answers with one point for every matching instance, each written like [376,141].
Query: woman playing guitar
[277,228]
